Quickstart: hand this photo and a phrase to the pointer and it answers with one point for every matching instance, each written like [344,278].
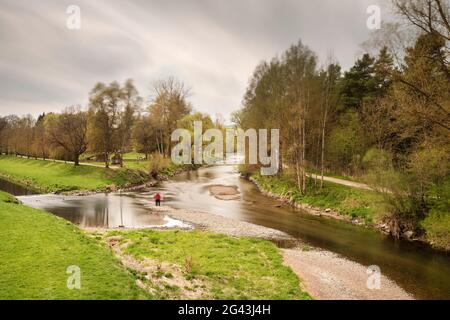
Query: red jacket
[157,196]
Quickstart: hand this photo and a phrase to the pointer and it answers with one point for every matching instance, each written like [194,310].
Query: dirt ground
[327,276]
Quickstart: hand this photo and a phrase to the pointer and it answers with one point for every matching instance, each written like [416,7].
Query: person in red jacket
[157,198]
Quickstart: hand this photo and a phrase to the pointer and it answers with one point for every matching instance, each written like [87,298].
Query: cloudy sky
[212,45]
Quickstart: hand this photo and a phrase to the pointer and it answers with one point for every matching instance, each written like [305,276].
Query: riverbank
[222,225]
[45,177]
[324,275]
[327,276]
[360,207]
[58,177]
[39,250]
[194,264]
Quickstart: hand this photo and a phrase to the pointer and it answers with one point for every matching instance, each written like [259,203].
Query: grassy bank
[50,176]
[367,206]
[347,201]
[37,248]
[161,166]
[208,266]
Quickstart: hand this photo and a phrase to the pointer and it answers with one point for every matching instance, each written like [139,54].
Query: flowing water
[417,268]
[99,211]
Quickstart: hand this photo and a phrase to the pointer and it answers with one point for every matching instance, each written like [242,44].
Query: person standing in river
[157,198]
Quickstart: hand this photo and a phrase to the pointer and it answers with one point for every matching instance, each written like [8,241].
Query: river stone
[408,235]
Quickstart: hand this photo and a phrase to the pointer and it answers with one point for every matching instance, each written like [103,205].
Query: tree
[431,17]
[358,84]
[168,105]
[132,103]
[422,89]
[3,132]
[329,96]
[111,115]
[300,64]
[145,135]
[383,72]
[346,144]
[40,143]
[68,130]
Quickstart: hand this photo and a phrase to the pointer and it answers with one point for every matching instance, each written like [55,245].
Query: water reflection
[14,189]
[99,210]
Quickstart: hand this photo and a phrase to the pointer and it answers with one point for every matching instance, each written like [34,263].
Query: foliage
[67,131]
[437,223]
[111,117]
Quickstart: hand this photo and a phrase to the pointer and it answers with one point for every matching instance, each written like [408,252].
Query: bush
[437,229]
[156,164]
[376,159]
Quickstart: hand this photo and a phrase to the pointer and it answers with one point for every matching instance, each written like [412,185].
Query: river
[420,270]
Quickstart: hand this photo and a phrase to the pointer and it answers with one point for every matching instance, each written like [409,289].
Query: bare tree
[169,104]
[69,131]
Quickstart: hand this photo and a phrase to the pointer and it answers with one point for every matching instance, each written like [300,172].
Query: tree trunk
[322,156]
[106,160]
[162,143]
[303,155]
[157,144]
[280,157]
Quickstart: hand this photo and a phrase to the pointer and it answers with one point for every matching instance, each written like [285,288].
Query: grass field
[57,177]
[353,202]
[229,268]
[136,161]
[36,250]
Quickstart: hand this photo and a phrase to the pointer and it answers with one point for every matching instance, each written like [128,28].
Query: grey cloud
[213,45]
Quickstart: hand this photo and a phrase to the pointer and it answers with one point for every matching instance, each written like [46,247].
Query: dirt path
[71,162]
[327,276]
[341,181]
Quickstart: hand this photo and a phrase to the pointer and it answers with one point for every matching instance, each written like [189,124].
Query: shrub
[157,162]
[437,229]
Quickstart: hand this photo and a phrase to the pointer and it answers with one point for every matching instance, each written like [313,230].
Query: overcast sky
[212,45]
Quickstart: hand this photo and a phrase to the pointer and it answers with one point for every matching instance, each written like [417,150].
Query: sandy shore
[327,276]
[219,224]
[222,192]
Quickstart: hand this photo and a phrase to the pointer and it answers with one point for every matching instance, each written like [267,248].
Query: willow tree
[111,117]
